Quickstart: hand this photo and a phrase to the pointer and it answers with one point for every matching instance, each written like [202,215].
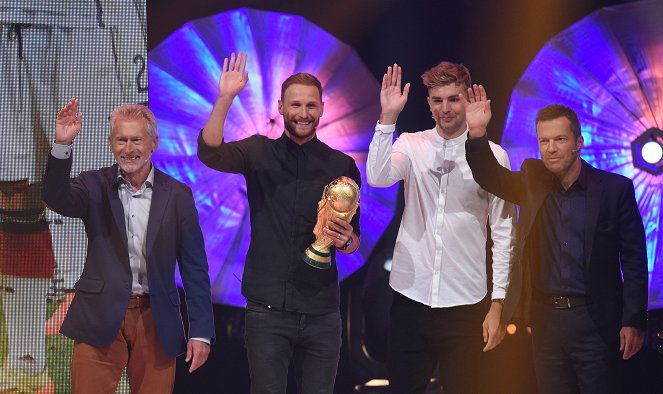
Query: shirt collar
[452,141]
[307,147]
[579,183]
[149,182]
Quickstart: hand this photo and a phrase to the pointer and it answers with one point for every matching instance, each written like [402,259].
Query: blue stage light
[607,67]
[183,73]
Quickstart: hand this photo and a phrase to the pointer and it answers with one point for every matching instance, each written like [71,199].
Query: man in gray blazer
[139,223]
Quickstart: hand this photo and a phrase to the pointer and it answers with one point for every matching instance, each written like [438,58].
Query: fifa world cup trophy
[340,199]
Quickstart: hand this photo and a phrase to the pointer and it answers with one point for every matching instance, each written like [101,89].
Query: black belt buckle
[561,302]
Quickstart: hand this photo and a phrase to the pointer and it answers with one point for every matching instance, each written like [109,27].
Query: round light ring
[652,152]
[647,150]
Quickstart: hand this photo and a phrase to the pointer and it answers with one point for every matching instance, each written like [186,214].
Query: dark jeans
[570,356]
[274,338]
[422,337]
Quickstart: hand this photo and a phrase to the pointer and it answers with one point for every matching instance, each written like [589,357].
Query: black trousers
[422,337]
[274,338]
[570,356]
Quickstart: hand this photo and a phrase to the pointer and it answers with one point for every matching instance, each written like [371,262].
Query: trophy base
[316,258]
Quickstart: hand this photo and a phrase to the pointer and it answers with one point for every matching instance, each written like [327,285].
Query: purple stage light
[608,67]
[183,73]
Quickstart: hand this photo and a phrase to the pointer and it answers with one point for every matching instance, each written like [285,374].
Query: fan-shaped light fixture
[184,71]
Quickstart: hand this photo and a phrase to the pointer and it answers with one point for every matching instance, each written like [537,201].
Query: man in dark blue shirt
[581,273]
[292,308]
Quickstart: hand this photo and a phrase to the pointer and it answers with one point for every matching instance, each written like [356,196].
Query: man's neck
[449,135]
[567,179]
[136,180]
[299,141]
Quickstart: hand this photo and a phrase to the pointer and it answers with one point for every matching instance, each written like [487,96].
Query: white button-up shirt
[136,206]
[440,253]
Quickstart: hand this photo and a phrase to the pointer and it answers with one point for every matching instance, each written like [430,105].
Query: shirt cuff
[385,128]
[60,151]
[201,339]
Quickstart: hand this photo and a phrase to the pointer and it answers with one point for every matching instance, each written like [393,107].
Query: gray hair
[135,112]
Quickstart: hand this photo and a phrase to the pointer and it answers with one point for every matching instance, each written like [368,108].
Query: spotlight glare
[511,329]
[377,383]
[387,264]
[652,152]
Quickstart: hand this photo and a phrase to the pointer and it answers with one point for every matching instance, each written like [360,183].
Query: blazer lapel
[117,209]
[160,197]
[594,191]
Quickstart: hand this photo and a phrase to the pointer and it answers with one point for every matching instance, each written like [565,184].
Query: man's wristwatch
[499,300]
[347,244]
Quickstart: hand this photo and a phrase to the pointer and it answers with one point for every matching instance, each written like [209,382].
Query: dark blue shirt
[559,236]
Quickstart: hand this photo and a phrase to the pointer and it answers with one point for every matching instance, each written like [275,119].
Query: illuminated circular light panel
[652,152]
[647,151]
[607,67]
[184,71]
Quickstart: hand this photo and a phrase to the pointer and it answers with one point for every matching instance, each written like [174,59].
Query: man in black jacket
[581,276]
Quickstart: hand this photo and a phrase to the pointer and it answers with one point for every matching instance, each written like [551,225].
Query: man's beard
[291,127]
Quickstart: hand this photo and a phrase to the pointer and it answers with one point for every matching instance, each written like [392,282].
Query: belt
[139,301]
[562,302]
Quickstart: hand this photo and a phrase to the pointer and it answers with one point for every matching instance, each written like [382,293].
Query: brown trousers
[149,368]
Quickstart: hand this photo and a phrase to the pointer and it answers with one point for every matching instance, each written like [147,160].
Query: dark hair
[447,73]
[555,111]
[301,79]
[135,112]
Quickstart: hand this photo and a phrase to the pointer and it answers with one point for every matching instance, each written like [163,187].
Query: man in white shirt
[440,313]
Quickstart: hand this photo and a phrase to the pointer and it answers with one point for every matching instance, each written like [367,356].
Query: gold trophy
[340,198]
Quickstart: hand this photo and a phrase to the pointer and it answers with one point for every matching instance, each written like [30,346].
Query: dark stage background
[496,40]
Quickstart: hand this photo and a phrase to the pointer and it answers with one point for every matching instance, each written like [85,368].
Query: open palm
[477,109]
[233,77]
[392,99]
[68,123]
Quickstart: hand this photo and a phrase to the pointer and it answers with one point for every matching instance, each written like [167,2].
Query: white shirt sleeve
[502,217]
[60,151]
[386,165]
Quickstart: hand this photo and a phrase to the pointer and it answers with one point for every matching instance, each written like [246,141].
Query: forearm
[502,218]
[633,259]
[213,130]
[382,164]
[194,271]
[57,191]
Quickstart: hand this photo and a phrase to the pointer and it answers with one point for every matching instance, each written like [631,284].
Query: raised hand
[392,99]
[68,123]
[477,110]
[233,77]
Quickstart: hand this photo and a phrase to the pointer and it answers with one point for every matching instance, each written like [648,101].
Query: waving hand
[392,99]
[68,123]
[477,110]
[234,76]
